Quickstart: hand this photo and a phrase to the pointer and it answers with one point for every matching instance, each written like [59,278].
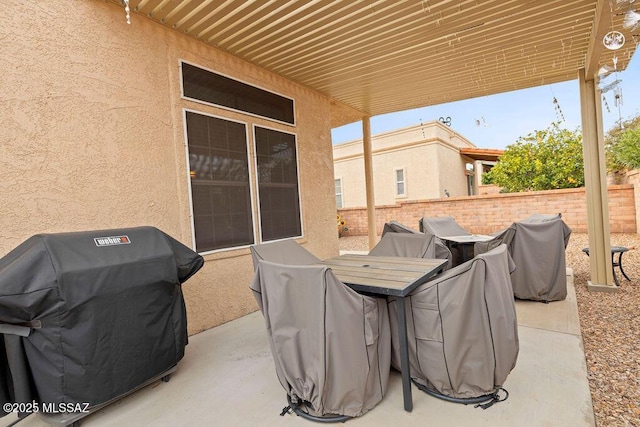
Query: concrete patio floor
[227,378]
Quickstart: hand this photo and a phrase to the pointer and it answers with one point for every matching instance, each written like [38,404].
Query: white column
[368,176]
[477,168]
[596,186]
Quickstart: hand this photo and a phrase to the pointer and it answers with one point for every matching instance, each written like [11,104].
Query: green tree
[543,160]
[622,145]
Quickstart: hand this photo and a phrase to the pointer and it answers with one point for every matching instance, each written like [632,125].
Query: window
[212,88]
[220,189]
[338,183]
[401,190]
[277,166]
[471,186]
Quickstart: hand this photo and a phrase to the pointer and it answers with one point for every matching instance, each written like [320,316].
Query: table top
[614,249]
[396,276]
[468,238]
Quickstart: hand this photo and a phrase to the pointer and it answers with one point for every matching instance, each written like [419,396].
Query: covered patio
[228,378]
[378,57]
[340,62]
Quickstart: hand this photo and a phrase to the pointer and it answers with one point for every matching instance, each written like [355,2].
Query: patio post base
[591,287]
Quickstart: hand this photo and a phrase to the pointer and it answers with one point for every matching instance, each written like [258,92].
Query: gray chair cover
[501,237]
[90,316]
[441,250]
[331,346]
[442,226]
[537,245]
[405,245]
[462,329]
[538,249]
[282,252]
[396,227]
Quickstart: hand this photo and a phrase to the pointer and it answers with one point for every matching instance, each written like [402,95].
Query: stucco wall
[93,137]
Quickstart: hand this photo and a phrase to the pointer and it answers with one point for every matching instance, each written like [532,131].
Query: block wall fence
[487,213]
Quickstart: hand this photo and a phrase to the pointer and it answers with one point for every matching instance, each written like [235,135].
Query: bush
[543,160]
[622,145]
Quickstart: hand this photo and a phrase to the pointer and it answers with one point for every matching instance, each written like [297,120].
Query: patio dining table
[465,241]
[388,276]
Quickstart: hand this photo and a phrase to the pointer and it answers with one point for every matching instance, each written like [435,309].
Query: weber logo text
[112,240]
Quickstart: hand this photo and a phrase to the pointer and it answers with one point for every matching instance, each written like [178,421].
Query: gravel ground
[610,325]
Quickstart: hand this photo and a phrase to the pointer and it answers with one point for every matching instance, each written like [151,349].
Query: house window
[401,185]
[206,86]
[471,186]
[338,183]
[220,188]
[278,192]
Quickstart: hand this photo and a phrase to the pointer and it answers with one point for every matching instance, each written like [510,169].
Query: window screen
[220,190]
[206,86]
[278,184]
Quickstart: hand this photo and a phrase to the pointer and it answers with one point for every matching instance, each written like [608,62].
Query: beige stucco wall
[93,137]
[429,154]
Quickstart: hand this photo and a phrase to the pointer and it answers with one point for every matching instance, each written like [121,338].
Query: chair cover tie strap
[495,399]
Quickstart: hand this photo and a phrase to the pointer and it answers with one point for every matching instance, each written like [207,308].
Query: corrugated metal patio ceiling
[384,56]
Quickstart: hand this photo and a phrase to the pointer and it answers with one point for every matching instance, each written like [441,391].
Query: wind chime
[556,106]
[631,17]
[125,3]
[614,40]
[482,122]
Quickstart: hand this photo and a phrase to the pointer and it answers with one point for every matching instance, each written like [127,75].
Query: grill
[88,317]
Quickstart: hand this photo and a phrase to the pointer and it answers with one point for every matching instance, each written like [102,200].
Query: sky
[505,117]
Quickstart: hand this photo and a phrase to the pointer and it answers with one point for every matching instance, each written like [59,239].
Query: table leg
[613,268]
[620,265]
[404,355]
[465,257]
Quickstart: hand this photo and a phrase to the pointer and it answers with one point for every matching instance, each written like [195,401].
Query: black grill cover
[103,311]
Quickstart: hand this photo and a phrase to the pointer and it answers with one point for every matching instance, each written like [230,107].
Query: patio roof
[377,56]
[380,56]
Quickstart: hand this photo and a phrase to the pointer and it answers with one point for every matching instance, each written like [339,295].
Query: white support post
[368,176]
[596,186]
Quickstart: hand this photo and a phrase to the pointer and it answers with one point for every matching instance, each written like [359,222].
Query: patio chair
[443,227]
[396,227]
[462,331]
[331,346]
[500,237]
[537,245]
[284,252]
[405,245]
[441,250]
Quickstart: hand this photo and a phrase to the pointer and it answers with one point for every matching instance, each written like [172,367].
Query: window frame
[252,190]
[257,183]
[183,96]
[396,182]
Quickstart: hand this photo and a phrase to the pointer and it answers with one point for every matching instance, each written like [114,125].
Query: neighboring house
[425,161]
